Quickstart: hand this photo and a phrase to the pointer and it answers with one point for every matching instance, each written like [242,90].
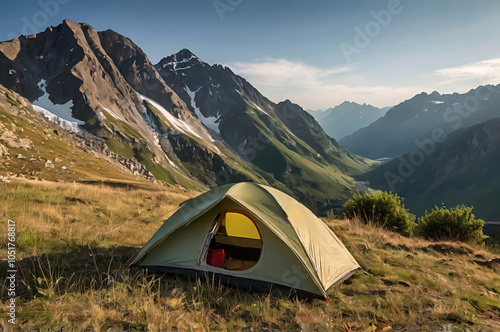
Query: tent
[250,235]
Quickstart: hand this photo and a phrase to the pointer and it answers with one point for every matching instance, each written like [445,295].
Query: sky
[316,53]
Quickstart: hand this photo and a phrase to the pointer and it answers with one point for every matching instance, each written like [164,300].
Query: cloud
[315,88]
[480,72]
[281,72]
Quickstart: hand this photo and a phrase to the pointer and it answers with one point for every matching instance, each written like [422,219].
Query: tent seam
[320,286]
[301,244]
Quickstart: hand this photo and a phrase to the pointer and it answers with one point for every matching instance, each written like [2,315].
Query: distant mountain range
[346,118]
[445,150]
[414,120]
[187,122]
[441,149]
[461,169]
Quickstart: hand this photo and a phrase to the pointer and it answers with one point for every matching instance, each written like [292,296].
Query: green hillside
[462,170]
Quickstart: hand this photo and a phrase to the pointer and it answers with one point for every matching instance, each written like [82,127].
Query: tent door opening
[234,242]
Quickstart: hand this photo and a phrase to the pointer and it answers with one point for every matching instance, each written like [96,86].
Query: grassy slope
[76,239]
[319,183]
[80,166]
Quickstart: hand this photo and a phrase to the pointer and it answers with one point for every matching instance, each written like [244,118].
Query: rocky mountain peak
[435,94]
[181,60]
[185,54]
[288,103]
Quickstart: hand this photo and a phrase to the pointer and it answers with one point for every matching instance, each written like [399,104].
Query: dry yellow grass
[53,216]
[76,239]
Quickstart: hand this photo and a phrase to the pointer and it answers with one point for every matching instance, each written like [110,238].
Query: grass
[75,241]
[62,217]
[120,148]
[11,99]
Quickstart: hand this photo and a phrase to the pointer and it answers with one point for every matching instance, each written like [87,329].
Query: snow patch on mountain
[187,59]
[176,123]
[175,63]
[211,122]
[65,124]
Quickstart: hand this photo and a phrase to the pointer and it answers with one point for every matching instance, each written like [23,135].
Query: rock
[57,160]
[63,167]
[11,140]
[49,164]
[33,159]
[4,179]
[3,151]
[20,156]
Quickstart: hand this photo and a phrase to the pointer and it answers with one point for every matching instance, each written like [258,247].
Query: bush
[385,209]
[456,224]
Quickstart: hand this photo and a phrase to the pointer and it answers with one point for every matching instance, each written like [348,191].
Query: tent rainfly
[250,235]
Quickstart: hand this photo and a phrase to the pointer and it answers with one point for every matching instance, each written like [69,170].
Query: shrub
[457,224]
[385,209]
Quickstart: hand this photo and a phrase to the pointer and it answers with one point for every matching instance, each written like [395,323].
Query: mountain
[187,122]
[461,169]
[414,120]
[281,139]
[67,70]
[319,114]
[348,117]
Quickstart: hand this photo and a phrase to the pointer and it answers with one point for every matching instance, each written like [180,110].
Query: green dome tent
[250,235]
